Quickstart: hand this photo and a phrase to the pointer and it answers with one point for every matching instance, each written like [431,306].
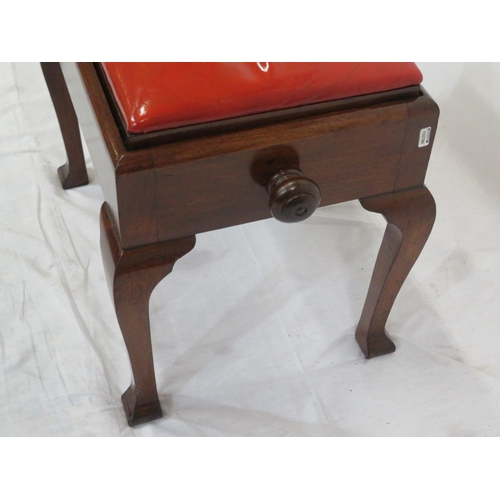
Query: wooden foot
[74,172]
[410,216]
[132,275]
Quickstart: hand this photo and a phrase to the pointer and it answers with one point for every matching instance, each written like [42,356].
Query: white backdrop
[254,330]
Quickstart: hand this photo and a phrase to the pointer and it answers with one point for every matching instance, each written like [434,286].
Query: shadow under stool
[184,148]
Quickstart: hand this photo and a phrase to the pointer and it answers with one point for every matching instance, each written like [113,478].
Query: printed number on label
[425,137]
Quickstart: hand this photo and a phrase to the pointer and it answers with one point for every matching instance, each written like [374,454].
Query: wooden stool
[185,148]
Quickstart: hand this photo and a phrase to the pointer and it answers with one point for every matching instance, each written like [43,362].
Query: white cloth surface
[253,332]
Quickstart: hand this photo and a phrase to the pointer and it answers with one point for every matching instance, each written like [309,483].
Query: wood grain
[163,188]
[74,172]
[132,275]
[422,113]
[349,155]
[410,216]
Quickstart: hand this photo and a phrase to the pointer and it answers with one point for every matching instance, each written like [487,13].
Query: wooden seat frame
[163,188]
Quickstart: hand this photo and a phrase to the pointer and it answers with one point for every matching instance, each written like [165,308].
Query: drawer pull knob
[292,197]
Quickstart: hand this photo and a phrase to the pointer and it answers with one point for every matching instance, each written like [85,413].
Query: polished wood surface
[349,153]
[132,276]
[127,177]
[292,197]
[163,191]
[74,172]
[410,216]
[422,113]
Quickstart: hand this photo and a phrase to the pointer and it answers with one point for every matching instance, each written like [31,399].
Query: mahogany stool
[183,148]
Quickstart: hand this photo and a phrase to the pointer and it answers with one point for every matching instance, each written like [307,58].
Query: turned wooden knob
[292,197]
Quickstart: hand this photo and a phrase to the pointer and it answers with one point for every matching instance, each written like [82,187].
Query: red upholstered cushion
[159,96]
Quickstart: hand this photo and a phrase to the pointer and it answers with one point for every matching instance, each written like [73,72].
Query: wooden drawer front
[212,183]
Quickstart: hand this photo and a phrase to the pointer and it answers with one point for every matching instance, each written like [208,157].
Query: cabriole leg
[132,275]
[410,216]
[74,172]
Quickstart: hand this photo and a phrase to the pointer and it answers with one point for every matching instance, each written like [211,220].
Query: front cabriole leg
[132,275]
[410,216]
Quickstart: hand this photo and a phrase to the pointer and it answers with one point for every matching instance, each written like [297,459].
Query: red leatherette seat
[160,96]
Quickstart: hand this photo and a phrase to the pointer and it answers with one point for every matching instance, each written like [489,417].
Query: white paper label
[425,137]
